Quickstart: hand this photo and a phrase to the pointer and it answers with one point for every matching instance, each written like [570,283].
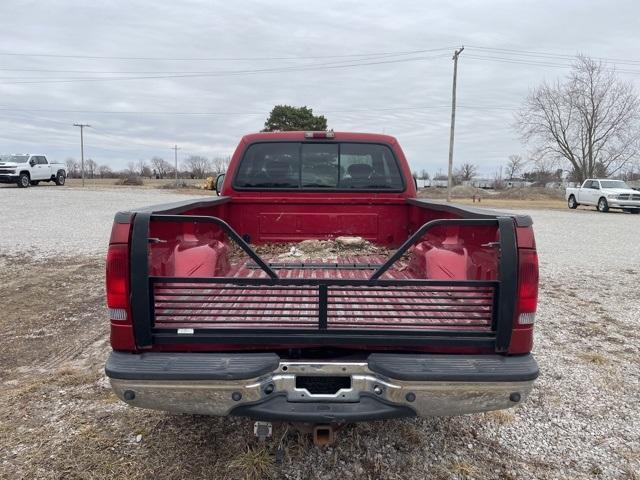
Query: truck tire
[24,180]
[572,202]
[603,206]
[35,182]
[60,178]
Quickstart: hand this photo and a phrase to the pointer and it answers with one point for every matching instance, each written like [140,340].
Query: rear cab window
[319,166]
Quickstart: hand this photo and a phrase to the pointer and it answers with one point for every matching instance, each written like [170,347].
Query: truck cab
[29,169]
[435,318]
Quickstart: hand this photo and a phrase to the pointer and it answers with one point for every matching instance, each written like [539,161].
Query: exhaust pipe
[323,435]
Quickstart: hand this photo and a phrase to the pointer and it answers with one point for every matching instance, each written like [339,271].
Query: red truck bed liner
[402,307]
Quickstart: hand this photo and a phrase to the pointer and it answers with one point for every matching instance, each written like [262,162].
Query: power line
[299,68]
[517,61]
[221,59]
[328,66]
[181,72]
[531,53]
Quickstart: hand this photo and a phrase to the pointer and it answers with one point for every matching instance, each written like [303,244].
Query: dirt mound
[530,193]
[524,193]
[459,191]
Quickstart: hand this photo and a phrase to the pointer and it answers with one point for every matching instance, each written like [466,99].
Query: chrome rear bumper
[371,395]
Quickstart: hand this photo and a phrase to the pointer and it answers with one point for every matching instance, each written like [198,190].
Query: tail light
[118,288]
[118,281]
[527,286]
[527,301]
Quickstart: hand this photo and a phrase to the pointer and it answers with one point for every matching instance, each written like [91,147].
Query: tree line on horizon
[194,166]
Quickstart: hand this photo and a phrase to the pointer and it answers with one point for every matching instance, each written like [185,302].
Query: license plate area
[323,385]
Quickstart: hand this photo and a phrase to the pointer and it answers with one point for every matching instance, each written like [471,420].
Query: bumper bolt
[411,397]
[236,396]
[129,395]
[269,389]
[377,389]
[515,397]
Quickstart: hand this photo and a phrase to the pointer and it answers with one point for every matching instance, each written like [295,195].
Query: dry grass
[253,464]
[188,186]
[411,433]
[547,204]
[464,469]
[501,417]
[595,358]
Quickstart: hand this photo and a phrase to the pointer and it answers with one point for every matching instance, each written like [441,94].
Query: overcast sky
[367,66]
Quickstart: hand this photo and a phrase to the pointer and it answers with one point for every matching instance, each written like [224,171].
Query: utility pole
[82,125]
[175,149]
[453,121]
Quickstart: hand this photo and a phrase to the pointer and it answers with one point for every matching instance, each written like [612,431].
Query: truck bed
[189,305]
[435,283]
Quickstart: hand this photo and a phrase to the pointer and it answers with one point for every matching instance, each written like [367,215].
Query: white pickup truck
[27,169]
[604,194]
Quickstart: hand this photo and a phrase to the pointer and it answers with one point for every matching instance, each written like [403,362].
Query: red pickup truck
[440,324]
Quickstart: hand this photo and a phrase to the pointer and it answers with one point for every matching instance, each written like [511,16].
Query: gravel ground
[58,418]
[47,220]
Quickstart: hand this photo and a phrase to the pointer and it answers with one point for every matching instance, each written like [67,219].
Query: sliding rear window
[318,166]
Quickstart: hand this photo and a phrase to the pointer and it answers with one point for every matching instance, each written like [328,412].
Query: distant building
[562,184]
[439,183]
[423,183]
[517,183]
[481,183]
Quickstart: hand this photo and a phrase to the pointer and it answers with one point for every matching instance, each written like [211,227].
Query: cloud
[408,99]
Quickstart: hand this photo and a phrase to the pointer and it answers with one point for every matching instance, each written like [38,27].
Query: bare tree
[220,164]
[104,171]
[590,120]
[514,166]
[161,167]
[143,169]
[90,167]
[72,167]
[439,175]
[465,172]
[545,169]
[423,174]
[198,166]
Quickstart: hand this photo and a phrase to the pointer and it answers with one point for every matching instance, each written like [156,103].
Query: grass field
[536,198]
[515,203]
[147,183]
